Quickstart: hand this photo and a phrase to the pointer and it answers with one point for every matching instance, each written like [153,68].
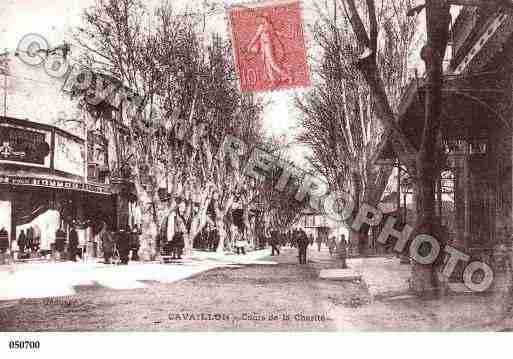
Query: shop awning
[471,104]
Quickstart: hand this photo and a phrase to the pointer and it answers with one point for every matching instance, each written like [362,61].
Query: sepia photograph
[231,166]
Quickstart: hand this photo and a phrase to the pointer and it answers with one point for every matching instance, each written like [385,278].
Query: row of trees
[381,35]
[190,102]
[339,117]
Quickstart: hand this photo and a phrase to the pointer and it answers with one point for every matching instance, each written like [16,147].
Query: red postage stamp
[268,45]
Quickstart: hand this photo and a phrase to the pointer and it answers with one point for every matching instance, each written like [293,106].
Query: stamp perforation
[283,84]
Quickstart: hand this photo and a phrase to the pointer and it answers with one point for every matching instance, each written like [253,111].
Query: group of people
[295,238]
[239,240]
[339,248]
[123,241]
[174,247]
[29,242]
[112,243]
[207,239]
[73,245]
[286,238]
[126,240]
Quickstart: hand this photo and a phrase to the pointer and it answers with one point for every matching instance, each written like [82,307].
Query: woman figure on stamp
[263,43]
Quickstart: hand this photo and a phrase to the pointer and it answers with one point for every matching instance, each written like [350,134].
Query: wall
[37,97]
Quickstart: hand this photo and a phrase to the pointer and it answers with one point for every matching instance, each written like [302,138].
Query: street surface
[226,292]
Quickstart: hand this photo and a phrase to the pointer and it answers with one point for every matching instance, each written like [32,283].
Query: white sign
[69,155]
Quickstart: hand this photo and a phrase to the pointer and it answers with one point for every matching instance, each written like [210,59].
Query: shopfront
[46,183]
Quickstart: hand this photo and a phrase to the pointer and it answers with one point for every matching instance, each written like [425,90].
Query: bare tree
[189,103]
[339,118]
[423,161]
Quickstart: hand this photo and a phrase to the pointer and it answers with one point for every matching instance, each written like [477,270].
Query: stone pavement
[40,280]
[384,276]
[345,274]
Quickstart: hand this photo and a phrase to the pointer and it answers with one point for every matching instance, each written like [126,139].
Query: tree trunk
[222,235]
[187,244]
[356,238]
[424,279]
[148,238]
[423,276]
[250,233]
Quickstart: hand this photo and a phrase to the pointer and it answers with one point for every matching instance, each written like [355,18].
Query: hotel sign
[22,145]
[53,183]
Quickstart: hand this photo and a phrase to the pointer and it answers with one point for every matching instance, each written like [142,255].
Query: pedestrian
[238,239]
[332,245]
[310,239]
[177,245]
[35,243]
[123,244]
[275,248]
[292,238]
[60,241]
[22,243]
[284,238]
[213,238]
[302,244]
[290,242]
[30,238]
[135,243]
[319,243]
[267,237]
[342,250]
[4,240]
[107,244]
[73,244]
[178,241]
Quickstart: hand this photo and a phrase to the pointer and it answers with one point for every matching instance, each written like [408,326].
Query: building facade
[58,160]
[476,131]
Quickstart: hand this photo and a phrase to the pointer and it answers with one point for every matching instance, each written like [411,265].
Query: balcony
[97,158]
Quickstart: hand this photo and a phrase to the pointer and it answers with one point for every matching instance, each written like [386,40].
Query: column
[6,220]
[122,215]
[459,201]
[466,174]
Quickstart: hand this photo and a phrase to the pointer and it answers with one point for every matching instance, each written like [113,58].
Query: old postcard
[263,166]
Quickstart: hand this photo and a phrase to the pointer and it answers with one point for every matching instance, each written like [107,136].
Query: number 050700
[24,344]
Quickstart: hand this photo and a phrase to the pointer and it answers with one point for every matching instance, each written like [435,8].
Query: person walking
[4,244]
[35,243]
[4,239]
[275,243]
[123,244]
[319,243]
[302,244]
[30,239]
[213,238]
[238,239]
[107,244]
[178,241]
[293,238]
[22,243]
[135,243]
[342,250]
[290,235]
[310,239]
[332,245]
[60,242]
[73,244]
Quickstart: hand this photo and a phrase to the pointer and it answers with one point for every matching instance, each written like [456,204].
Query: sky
[54,19]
